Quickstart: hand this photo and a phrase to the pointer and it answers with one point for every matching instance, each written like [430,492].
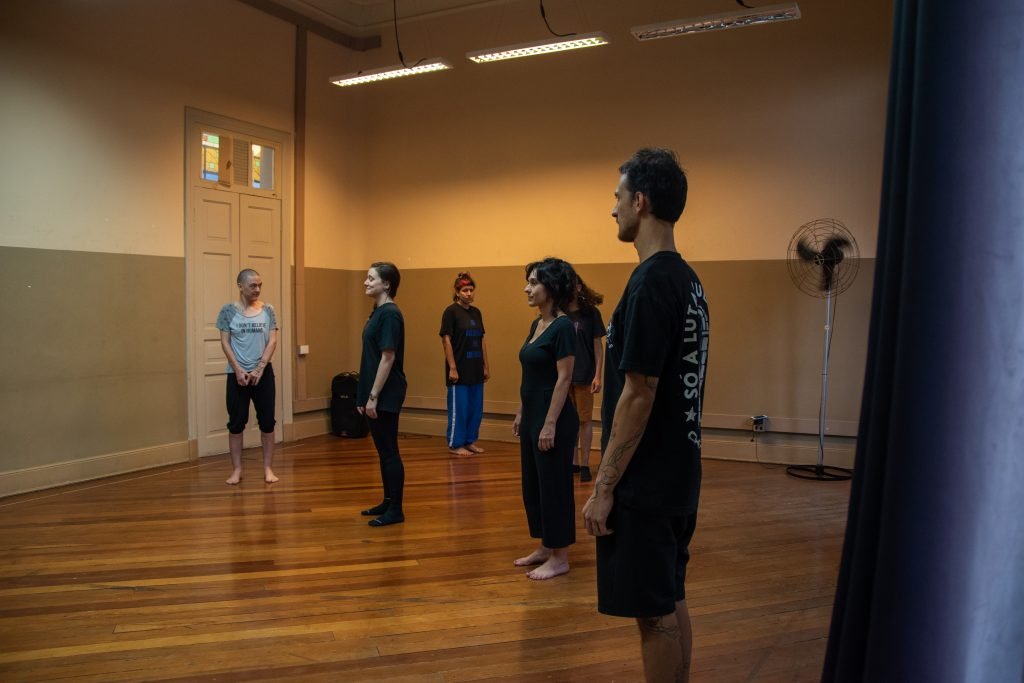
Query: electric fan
[823,259]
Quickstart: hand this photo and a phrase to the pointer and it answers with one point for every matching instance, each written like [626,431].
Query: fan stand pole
[822,472]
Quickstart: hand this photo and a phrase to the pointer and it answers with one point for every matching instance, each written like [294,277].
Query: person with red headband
[465,366]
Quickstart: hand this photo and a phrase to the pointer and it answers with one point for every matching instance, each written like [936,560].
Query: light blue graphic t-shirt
[249,334]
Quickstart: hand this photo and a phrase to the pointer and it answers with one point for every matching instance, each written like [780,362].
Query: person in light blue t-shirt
[248,336]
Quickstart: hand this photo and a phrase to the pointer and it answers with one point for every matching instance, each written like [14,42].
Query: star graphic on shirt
[691,415]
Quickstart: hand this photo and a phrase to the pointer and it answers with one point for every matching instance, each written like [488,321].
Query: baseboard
[782,449]
[787,449]
[307,425]
[436,424]
[75,471]
[718,444]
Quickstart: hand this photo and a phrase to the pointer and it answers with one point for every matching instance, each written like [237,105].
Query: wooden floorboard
[171,575]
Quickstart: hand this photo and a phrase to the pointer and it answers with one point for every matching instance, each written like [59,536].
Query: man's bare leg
[661,649]
[685,636]
[235,447]
[586,439]
[267,441]
[556,565]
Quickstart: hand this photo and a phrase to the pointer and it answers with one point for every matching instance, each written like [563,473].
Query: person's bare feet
[476,449]
[549,570]
[269,476]
[459,451]
[538,556]
[235,477]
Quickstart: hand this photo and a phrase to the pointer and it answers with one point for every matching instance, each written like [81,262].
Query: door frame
[195,121]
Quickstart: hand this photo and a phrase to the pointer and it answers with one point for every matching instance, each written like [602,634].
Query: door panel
[215,259]
[260,249]
[228,230]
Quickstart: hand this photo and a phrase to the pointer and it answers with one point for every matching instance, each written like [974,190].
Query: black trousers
[384,431]
[261,395]
[548,484]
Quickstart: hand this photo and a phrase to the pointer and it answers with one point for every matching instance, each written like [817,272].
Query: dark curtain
[931,585]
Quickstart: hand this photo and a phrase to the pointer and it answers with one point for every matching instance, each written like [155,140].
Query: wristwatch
[373,396]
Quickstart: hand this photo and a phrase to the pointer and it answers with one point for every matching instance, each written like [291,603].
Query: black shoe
[388,518]
[377,510]
[575,469]
[585,474]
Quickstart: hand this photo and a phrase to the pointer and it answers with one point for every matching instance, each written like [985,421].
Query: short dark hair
[657,175]
[558,278]
[463,279]
[245,274]
[388,272]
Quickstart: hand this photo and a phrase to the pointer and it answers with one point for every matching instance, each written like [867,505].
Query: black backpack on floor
[345,419]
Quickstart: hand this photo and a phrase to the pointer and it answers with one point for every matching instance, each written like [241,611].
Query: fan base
[819,472]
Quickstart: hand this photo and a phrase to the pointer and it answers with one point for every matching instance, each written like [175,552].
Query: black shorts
[641,568]
[261,395]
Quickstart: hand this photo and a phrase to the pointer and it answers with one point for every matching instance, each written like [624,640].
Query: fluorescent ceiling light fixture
[541,47]
[388,72]
[714,22]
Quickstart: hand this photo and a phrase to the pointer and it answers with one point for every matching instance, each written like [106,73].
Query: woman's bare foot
[476,449]
[235,477]
[538,556]
[269,476]
[553,567]
[459,451]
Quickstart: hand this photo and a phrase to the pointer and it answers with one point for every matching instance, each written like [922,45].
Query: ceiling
[362,16]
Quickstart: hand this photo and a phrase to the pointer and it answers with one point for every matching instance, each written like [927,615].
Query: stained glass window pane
[210,156]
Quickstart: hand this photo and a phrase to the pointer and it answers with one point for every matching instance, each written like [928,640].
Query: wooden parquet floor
[171,575]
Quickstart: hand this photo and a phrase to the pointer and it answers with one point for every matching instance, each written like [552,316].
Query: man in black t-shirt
[644,505]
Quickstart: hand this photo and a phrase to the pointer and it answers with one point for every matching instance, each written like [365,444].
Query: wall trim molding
[75,471]
[311,424]
[719,443]
[787,425]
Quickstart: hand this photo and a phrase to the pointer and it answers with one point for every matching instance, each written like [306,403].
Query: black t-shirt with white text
[660,329]
[465,328]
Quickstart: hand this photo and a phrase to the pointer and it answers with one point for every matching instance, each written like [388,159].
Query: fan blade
[833,252]
[805,252]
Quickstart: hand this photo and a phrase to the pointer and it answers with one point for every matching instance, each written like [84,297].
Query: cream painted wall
[336,158]
[94,95]
[498,164]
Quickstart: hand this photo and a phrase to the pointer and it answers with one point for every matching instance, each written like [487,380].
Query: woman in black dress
[546,423]
[382,386]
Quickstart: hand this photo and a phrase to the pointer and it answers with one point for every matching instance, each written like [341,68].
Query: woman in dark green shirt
[382,386]
[546,423]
